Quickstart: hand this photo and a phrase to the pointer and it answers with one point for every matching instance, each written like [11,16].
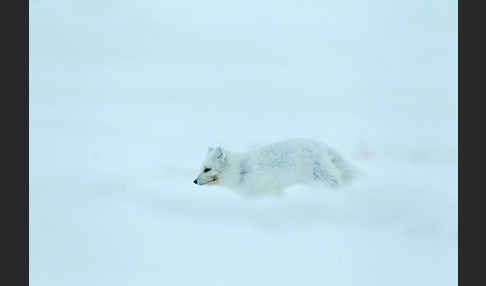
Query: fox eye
[207,170]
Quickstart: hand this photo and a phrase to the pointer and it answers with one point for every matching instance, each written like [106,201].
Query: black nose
[195,181]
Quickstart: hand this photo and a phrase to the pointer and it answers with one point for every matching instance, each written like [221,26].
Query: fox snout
[210,180]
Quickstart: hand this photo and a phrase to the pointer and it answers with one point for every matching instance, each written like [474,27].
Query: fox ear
[219,153]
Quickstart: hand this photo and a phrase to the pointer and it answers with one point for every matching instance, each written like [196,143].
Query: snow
[125,99]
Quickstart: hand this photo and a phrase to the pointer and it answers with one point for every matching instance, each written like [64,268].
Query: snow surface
[126,96]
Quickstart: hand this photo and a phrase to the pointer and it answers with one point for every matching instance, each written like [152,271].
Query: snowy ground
[125,99]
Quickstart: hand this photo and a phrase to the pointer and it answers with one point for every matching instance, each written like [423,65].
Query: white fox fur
[272,168]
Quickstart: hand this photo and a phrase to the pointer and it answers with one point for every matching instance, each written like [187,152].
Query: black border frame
[15,140]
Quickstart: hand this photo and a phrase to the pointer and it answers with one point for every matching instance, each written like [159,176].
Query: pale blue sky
[314,47]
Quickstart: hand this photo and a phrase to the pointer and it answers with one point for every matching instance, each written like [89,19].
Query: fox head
[212,167]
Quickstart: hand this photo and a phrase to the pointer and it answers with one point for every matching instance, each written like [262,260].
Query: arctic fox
[272,168]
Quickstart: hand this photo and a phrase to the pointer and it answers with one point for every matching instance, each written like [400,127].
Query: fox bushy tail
[348,172]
